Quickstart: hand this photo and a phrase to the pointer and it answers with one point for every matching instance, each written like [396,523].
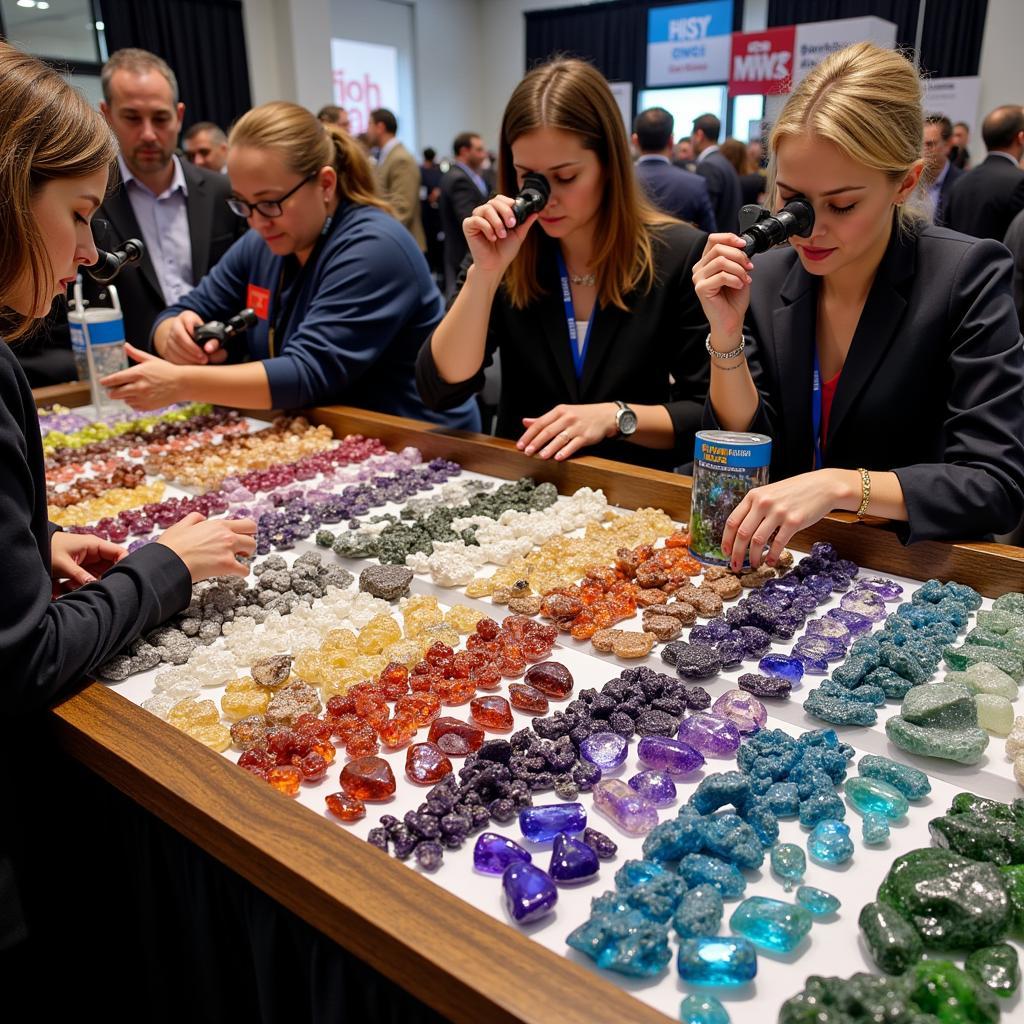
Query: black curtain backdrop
[202,40]
[950,41]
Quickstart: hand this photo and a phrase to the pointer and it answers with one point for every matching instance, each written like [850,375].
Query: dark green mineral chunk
[996,967]
[953,996]
[892,941]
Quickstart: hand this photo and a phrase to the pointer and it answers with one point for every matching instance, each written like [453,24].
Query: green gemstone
[1013,878]
[953,902]
[1000,620]
[953,996]
[892,941]
[1013,603]
[982,637]
[994,713]
[986,678]
[960,658]
[996,967]
[981,829]
[872,796]
[966,745]
[942,705]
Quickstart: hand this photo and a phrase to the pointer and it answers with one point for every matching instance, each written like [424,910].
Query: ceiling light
[42,5]
[26,3]
[100,26]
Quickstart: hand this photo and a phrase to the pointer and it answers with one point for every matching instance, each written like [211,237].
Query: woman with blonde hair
[342,295]
[591,308]
[881,354]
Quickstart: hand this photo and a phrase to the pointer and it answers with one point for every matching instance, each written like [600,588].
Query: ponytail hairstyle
[573,96]
[48,131]
[307,145]
[865,100]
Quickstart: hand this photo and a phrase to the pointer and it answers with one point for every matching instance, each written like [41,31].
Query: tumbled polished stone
[892,941]
[744,710]
[771,924]
[426,763]
[572,860]
[530,893]
[491,712]
[985,678]
[782,665]
[875,829]
[545,821]
[996,967]
[631,812]
[454,736]
[965,744]
[872,796]
[711,735]
[713,960]
[788,862]
[670,756]
[981,829]
[911,782]
[368,778]
[817,901]
[551,678]
[830,843]
[655,786]
[943,990]
[493,853]
[605,749]
[994,713]
[696,1009]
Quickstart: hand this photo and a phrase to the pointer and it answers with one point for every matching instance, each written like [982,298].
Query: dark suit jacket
[932,388]
[459,198]
[213,229]
[677,192]
[630,356]
[953,175]
[724,188]
[986,198]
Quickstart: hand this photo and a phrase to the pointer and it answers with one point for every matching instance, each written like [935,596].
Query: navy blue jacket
[363,307]
[679,193]
[932,388]
[724,189]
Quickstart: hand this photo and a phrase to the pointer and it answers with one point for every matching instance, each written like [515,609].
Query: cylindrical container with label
[725,466]
[102,328]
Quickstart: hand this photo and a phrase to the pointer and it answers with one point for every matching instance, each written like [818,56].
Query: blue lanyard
[579,356]
[816,410]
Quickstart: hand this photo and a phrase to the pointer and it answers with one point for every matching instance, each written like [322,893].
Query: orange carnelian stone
[362,741]
[285,778]
[487,677]
[325,748]
[422,708]
[370,708]
[491,712]
[396,732]
[526,698]
[342,704]
[454,691]
[488,629]
[346,807]
[313,766]
[368,778]
[426,763]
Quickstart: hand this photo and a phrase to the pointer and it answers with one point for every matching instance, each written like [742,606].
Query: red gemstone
[491,712]
[362,741]
[398,731]
[525,698]
[426,763]
[488,628]
[285,779]
[551,678]
[422,708]
[454,691]
[394,680]
[487,677]
[348,808]
[455,737]
[368,778]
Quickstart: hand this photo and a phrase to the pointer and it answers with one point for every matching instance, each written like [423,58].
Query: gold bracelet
[865,492]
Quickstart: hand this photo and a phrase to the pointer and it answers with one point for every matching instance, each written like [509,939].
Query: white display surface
[833,946]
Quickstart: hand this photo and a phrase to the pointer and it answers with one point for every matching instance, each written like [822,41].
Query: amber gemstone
[525,698]
[348,808]
[362,741]
[488,628]
[511,662]
[454,691]
[372,709]
[343,725]
[312,726]
[426,763]
[313,766]
[394,680]
[491,712]
[551,678]
[398,731]
[325,748]
[285,778]
[455,737]
[341,704]
[368,778]
[439,653]
[487,677]
[422,708]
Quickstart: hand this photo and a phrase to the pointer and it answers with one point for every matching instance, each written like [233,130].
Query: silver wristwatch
[625,420]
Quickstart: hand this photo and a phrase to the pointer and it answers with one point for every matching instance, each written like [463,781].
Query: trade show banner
[365,77]
[817,39]
[689,44]
[762,62]
[957,98]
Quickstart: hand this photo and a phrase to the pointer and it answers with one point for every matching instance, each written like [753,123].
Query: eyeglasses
[267,207]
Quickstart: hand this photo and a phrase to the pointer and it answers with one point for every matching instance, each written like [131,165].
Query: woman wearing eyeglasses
[342,295]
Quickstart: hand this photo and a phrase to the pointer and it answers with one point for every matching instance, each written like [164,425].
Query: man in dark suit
[988,197]
[463,189]
[723,181]
[939,173]
[679,193]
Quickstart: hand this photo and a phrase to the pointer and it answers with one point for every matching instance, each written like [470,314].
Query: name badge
[258,300]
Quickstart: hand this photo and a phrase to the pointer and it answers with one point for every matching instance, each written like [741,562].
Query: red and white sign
[762,62]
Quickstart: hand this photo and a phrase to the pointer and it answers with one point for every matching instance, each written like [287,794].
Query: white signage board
[365,77]
[815,40]
[957,98]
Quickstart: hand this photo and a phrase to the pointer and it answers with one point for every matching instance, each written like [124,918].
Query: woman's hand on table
[776,512]
[174,340]
[151,384]
[81,558]
[566,429]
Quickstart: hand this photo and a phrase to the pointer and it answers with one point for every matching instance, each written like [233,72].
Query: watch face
[627,422]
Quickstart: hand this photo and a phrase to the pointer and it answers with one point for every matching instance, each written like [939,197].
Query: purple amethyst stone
[572,860]
[655,786]
[717,737]
[887,590]
[829,627]
[493,853]
[605,749]
[670,756]
[855,623]
[529,892]
[782,665]
[864,602]
[744,710]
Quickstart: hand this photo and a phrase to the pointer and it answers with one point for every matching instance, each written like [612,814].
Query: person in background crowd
[463,189]
[756,155]
[939,174]
[723,181]
[588,302]
[881,354]
[960,155]
[335,115]
[684,156]
[489,172]
[343,298]
[398,174]
[681,194]
[752,179]
[430,213]
[984,201]
[1014,241]
[207,146]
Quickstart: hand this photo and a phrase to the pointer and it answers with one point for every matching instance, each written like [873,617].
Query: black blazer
[630,356]
[932,389]
[459,198]
[724,186]
[953,175]
[212,227]
[986,198]
[679,193]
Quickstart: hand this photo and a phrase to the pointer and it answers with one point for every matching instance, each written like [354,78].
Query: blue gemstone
[655,786]
[529,892]
[875,829]
[547,820]
[782,665]
[712,960]
[493,853]
[605,749]
[572,860]
[702,1010]
[817,901]
[830,842]
[770,923]
[788,861]
[873,796]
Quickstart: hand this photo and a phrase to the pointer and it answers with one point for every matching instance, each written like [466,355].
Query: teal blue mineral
[702,1010]
[817,901]
[714,960]
[872,796]
[875,829]
[911,782]
[789,863]
[771,924]
[830,842]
